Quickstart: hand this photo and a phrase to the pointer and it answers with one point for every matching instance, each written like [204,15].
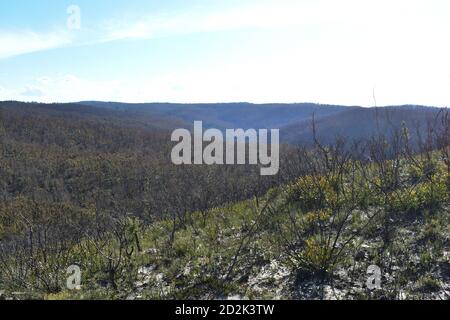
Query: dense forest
[92,185]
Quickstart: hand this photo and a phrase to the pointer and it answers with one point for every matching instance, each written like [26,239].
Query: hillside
[312,239]
[69,112]
[229,115]
[94,187]
[293,120]
[108,160]
[361,123]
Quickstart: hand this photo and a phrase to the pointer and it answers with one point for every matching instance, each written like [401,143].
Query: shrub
[428,284]
[432,230]
[314,259]
[314,193]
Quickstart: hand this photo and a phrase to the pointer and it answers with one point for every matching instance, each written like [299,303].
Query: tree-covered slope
[313,238]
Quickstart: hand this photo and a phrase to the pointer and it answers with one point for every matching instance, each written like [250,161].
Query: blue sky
[325,51]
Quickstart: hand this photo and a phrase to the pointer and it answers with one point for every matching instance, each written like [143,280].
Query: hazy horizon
[230,102]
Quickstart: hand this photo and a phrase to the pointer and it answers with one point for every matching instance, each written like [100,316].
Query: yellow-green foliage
[314,192]
[198,253]
[315,258]
[428,284]
[428,195]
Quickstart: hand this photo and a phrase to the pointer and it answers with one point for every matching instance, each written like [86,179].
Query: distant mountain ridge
[293,120]
[229,115]
[362,123]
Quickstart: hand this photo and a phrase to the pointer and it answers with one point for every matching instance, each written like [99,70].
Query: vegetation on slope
[350,206]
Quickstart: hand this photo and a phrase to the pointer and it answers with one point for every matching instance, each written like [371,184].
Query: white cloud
[66,88]
[301,76]
[371,16]
[262,15]
[32,91]
[16,43]
[8,94]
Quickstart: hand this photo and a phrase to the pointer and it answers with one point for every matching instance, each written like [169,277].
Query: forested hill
[116,161]
[78,112]
[229,115]
[94,187]
[362,123]
[294,120]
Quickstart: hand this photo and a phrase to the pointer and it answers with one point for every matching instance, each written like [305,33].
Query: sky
[349,52]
